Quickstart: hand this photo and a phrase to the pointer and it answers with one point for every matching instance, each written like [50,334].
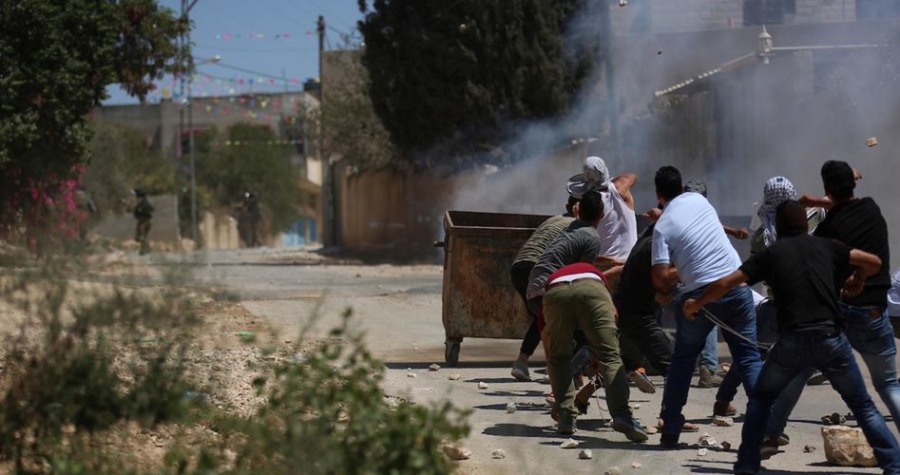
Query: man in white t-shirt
[689,238]
[618,228]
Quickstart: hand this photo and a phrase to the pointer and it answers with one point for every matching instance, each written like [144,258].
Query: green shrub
[326,412]
[78,367]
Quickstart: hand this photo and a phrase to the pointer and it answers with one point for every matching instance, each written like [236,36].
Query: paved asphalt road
[399,308]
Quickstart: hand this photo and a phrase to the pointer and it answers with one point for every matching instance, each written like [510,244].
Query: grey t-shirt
[579,242]
[542,237]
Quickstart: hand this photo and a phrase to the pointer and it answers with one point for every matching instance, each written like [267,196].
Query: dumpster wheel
[451,350]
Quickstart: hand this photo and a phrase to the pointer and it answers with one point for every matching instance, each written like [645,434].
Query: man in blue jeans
[858,223]
[803,272]
[690,236]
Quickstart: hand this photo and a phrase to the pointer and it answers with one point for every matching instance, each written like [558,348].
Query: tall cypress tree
[456,78]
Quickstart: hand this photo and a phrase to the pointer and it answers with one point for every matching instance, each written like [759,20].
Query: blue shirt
[690,237]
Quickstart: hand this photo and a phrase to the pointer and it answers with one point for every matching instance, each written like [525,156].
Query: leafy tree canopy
[253,160]
[450,77]
[56,60]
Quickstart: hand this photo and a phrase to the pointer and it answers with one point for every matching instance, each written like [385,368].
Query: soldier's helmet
[140,192]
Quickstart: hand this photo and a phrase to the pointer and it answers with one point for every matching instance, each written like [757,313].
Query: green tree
[456,79]
[56,60]
[251,157]
[346,125]
[121,159]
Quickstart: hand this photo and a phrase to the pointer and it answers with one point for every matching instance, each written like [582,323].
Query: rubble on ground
[847,446]
[457,453]
[569,444]
[585,455]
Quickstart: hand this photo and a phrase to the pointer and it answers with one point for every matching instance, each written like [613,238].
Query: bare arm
[607,261]
[737,233]
[623,184]
[866,265]
[714,292]
[664,276]
[812,201]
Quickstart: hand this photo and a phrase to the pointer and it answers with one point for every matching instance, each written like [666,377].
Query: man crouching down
[577,296]
[802,271]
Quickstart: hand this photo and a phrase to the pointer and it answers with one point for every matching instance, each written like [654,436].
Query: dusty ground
[277,295]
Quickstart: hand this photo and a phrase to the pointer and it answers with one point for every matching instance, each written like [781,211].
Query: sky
[265,45]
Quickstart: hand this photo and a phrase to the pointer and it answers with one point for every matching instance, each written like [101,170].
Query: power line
[245,70]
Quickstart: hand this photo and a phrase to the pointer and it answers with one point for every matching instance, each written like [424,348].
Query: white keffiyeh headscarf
[777,190]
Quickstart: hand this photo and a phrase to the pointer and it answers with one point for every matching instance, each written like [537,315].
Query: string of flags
[258,36]
[204,85]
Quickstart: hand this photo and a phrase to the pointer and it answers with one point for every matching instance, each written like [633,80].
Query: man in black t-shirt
[804,272]
[858,223]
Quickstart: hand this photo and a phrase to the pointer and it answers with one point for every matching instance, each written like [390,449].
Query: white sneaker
[520,371]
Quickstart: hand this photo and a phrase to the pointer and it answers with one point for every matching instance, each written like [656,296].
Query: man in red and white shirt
[577,297]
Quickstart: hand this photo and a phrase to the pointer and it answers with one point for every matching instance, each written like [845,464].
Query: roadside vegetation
[118,371]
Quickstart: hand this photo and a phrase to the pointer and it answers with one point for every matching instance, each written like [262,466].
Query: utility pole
[609,68]
[182,66]
[329,213]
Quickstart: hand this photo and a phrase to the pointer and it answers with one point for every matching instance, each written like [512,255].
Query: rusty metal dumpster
[479,300]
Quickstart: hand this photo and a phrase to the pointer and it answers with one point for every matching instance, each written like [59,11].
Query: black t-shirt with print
[802,272]
[860,225]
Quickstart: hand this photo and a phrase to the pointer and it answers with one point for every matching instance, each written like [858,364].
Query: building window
[766,12]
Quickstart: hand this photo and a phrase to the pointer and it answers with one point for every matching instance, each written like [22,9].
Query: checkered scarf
[777,190]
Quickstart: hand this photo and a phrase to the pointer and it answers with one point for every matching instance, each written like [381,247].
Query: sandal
[687,427]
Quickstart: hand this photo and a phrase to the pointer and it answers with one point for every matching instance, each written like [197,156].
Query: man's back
[618,228]
[577,243]
[636,292]
[690,236]
[859,224]
[542,237]
[803,272]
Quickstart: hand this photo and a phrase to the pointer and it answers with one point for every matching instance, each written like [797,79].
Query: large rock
[847,446]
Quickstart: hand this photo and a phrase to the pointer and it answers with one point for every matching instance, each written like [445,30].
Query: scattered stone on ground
[585,455]
[569,444]
[834,419]
[483,385]
[723,421]
[457,453]
[652,430]
[636,465]
[707,440]
[613,471]
[872,141]
[410,374]
[809,448]
[701,452]
[498,454]
[725,445]
[847,446]
[453,377]
[511,408]
[434,367]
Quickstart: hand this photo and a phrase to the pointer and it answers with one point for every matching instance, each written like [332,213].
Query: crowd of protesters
[595,289]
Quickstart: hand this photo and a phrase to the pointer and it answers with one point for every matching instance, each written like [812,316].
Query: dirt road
[400,310]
